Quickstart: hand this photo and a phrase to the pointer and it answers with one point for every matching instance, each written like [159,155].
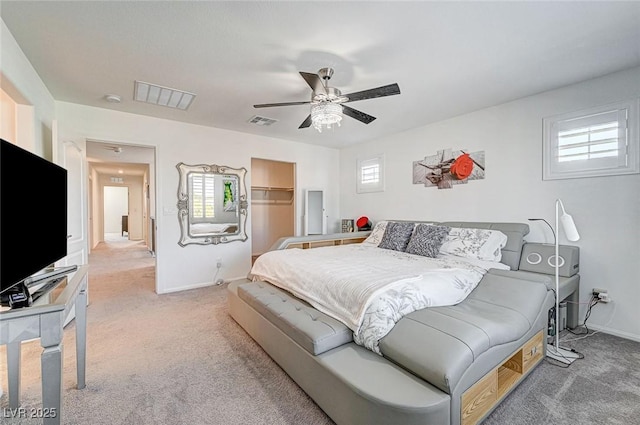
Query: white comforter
[368,288]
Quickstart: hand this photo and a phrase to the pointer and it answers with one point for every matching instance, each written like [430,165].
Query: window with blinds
[370,172]
[597,142]
[202,199]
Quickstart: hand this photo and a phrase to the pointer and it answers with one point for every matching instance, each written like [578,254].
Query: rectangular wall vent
[163,96]
[258,120]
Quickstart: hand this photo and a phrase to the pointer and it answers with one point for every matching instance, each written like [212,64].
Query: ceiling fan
[328,103]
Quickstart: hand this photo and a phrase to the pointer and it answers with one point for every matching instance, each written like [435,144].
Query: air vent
[258,120]
[163,96]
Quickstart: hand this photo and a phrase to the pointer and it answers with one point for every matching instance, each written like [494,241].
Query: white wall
[7,117]
[116,204]
[194,265]
[606,209]
[35,109]
[94,210]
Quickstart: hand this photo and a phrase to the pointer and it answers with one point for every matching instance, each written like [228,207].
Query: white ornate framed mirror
[212,204]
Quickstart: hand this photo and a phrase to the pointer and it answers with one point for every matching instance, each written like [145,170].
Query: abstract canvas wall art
[449,167]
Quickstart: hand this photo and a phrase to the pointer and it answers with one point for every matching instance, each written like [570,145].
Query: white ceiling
[118,160]
[449,58]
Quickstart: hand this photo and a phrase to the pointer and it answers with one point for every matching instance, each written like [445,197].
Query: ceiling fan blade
[314,82]
[269,105]
[359,115]
[306,123]
[389,90]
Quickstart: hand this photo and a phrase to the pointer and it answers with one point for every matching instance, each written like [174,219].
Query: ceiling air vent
[163,96]
[258,120]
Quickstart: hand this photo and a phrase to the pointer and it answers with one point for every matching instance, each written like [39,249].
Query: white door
[315,219]
[70,153]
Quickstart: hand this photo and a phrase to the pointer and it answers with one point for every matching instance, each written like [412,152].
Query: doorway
[122,203]
[272,203]
[116,213]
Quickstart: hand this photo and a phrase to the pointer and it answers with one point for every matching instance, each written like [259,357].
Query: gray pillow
[427,239]
[396,236]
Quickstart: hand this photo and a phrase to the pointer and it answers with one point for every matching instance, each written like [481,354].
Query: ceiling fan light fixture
[325,114]
[326,102]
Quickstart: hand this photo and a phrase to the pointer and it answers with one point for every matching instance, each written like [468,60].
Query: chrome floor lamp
[555,351]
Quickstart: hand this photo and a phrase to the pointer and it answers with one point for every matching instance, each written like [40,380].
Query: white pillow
[483,244]
[375,237]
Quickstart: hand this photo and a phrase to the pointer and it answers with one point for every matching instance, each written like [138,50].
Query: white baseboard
[196,286]
[615,332]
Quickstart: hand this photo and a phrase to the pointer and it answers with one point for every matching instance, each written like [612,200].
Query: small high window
[370,174]
[599,141]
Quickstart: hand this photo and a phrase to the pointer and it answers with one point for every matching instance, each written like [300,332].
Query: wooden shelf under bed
[489,391]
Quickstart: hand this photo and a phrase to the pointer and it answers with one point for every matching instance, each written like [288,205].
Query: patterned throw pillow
[483,244]
[427,239]
[375,237]
[397,235]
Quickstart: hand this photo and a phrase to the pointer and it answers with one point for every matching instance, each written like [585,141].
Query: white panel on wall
[315,219]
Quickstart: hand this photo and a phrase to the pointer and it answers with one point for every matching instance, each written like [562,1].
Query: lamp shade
[569,227]
[567,223]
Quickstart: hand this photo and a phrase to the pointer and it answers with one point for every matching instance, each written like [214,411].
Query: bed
[442,322]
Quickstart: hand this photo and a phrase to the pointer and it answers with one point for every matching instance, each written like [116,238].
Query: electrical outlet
[219,263]
[601,294]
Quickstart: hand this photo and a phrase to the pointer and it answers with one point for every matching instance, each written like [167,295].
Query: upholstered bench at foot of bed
[350,383]
[314,331]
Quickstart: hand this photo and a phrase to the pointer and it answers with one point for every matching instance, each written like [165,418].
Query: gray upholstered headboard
[515,238]
[515,232]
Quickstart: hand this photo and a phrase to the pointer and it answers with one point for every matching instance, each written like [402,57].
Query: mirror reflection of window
[203,196]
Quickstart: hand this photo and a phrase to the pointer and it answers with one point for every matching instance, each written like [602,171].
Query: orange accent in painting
[462,167]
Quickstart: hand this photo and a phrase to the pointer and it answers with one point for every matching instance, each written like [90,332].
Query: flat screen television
[33,215]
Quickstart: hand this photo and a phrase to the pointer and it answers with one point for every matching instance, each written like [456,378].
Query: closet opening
[272,203]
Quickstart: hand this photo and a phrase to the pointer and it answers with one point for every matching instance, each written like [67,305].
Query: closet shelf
[269,188]
[271,202]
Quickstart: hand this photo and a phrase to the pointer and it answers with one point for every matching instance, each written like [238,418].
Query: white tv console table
[44,319]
